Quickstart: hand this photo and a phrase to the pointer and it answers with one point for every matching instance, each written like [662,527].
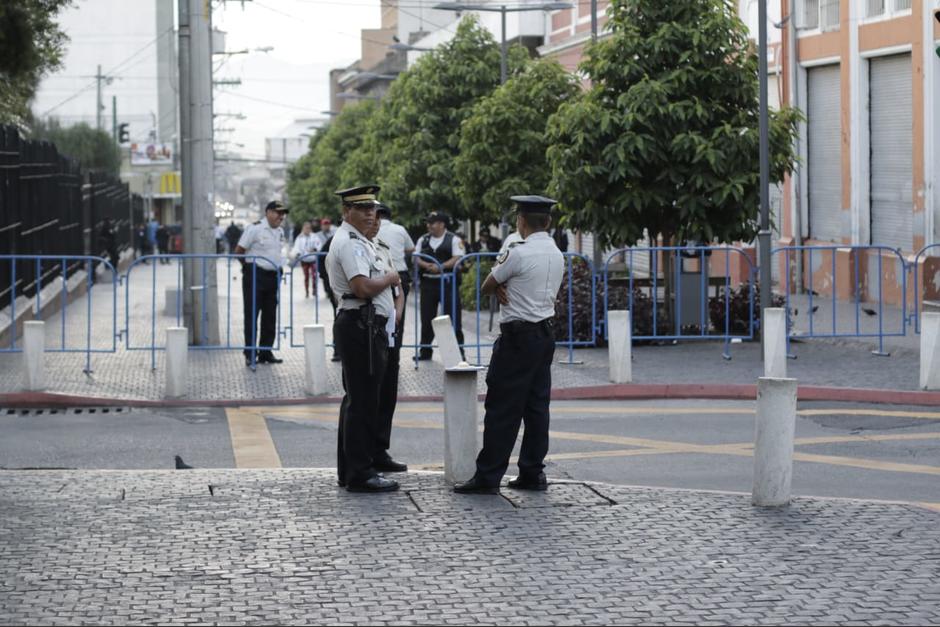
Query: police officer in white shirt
[263,244]
[361,285]
[305,246]
[526,280]
[446,248]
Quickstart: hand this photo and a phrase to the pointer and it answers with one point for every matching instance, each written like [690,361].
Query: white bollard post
[446,341]
[775,342]
[930,350]
[620,345]
[177,361]
[34,355]
[461,432]
[315,359]
[773,441]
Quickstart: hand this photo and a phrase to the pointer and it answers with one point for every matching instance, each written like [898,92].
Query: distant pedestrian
[561,239]
[305,248]
[163,243]
[140,241]
[526,280]
[263,243]
[446,249]
[232,235]
[107,243]
[219,239]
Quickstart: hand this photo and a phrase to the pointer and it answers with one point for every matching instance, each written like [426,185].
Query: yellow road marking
[251,440]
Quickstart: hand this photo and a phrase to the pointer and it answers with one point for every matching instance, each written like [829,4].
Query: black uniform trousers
[358,413]
[388,395]
[265,304]
[519,384]
[430,299]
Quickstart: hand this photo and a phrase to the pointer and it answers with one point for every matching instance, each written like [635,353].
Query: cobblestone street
[288,547]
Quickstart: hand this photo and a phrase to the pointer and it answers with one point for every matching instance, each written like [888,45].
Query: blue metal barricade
[315,260]
[416,280]
[858,286]
[153,345]
[711,323]
[45,270]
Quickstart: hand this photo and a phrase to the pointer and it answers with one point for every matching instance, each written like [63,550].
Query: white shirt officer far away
[266,241]
[399,243]
[456,246]
[352,255]
[532,272]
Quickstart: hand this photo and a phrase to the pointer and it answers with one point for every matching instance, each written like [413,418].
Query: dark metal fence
[49,205]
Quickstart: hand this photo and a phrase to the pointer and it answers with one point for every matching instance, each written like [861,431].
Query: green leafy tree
[503,141]
[314,178]
[414,139]
[666,136]
[31,44]
[94,149]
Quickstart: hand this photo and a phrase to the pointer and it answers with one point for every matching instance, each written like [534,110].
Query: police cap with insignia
[362,196]
[382,209]
[276,205]
[437,216]
[533,204]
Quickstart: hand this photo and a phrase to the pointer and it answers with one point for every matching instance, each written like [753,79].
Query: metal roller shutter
[892,166]
[824,161]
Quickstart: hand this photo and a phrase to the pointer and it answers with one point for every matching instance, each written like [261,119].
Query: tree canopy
[31,44]
[666,136]
[94,149]
[503,141]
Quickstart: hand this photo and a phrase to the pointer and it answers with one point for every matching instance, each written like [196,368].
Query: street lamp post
[764,234]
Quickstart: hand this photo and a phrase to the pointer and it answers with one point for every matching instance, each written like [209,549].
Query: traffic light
[123,135]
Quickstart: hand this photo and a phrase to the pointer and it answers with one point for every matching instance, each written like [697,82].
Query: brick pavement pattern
[288,547]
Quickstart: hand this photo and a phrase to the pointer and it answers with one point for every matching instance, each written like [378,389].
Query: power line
[270,102]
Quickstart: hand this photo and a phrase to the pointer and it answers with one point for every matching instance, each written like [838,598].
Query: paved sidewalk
[288,547]
[222,375]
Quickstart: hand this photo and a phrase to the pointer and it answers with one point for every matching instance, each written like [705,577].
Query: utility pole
[100,105]
[593,20]
[200,291]
[114,129]
[764,235]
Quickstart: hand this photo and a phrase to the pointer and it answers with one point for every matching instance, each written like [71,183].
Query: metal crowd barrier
[44,270]
[699,327]
[316,259]
[204,268]
[915,315]
[814,300]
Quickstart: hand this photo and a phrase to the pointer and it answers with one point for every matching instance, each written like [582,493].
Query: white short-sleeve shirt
[399,243]
[532,271]
[352,255]
[512,238]
[266,242]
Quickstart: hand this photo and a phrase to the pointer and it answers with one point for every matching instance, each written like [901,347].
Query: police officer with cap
[263,243]
[362,286]
[525,279]
[446,248]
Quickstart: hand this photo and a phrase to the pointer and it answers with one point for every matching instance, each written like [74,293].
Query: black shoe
[378,483]
[335,357]
[475,486]
[341,483]
[269,358]
[248,361]
[538,483]
[424,357]
[389,465]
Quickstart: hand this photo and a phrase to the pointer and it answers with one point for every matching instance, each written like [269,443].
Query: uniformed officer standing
[388,390]
[526,280]
[447,249]
[265,240]
[362,287]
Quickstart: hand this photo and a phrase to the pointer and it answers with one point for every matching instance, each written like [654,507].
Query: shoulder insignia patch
[382,244]
[514,244]
[353,235]
[258,222]
[501,257]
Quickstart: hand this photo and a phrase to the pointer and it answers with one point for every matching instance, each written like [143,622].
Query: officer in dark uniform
[526,280]
[265,239]
[359,281]
[447,248]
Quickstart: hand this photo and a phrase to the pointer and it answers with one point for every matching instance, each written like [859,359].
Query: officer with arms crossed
[526,280]
[265,239]
[362,287]
[446,248]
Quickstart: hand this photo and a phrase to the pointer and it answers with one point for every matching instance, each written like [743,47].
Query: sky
[309,37]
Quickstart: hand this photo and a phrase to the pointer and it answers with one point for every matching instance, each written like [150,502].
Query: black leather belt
[362,313]
[520,326]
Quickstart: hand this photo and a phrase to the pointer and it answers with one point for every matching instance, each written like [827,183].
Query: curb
[628,391]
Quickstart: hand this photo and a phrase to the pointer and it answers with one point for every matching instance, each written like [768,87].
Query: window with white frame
[819,14]
[885,8]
